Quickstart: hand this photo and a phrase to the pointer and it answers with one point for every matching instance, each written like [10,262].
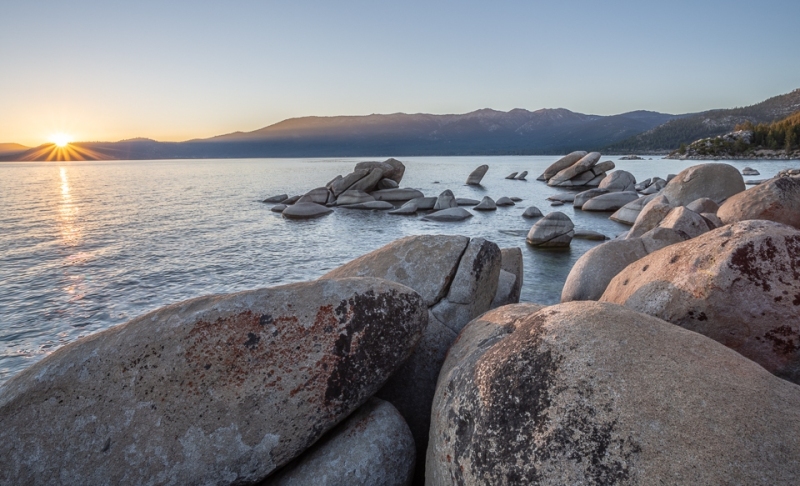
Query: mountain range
[481,132]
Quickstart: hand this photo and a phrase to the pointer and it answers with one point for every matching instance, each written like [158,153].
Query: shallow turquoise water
[87,245]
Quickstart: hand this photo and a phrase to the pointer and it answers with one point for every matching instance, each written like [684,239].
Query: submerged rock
[276,199]
[532,212]
[278,208]
[204,386]
[505,201]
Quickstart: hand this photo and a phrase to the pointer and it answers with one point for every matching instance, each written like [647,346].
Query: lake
[88,245]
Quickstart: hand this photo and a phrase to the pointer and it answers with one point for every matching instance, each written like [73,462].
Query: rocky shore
[674,357]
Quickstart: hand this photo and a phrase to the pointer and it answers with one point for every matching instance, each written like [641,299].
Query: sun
[61,139]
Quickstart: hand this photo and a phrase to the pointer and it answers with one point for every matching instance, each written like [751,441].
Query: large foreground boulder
[594,393]
[222,389]
[717,182]
[739,285]
[776,200]
[458,279]
[373,447]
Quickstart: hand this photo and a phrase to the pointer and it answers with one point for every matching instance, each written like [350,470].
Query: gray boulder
[276,199]
[292,200]
[602,167]
[505,201]
[628,213]
[560,165]
[522,176]
[685,221]
[640,186]
[387,184]
[372,447]
[511,262]
[369,182]
[704,205]
[319,195]
[511,175]
[650,216]
[593,393]
[584,165]
[463,201]
[516,199]
[425,203]
[278,208]
[476,176]
[554,230]
[589,235]
[619,181]
[396,195]
[203,386]
[339,185]
[444,270]
[610,202]
[377,205]
[776,200]
[594,270]
[532,212]
[749,171]
[563,197]
[392,169]
[581,198]
[486,204]
[445,200]
[406,209]
[352,196]
[305,210]
[737,285]
[449,215]
[717,182]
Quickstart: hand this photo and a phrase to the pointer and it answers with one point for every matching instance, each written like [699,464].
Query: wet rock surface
[738,285]
[216,390]
[593,393]
[554,230]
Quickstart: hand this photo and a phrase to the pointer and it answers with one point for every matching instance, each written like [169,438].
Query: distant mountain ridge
[689,128]
[481,132]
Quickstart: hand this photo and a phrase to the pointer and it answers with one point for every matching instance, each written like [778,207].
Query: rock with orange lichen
[222,389]
[738,285]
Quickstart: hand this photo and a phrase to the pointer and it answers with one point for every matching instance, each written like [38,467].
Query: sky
[176,70]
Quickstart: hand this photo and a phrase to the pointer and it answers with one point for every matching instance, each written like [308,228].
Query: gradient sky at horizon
[110,70]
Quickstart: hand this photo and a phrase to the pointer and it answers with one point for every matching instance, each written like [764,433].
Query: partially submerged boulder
[738,285]
[580,199]
[449,215]
[399,194]
[445,200]
[594,393]
[204,386]
[610,202]
[305,210]
[553,231]
[531,212]
[619,181]
[505,201]
[276,199]
[476,176]
[486,204]
[392,169]
[352,196]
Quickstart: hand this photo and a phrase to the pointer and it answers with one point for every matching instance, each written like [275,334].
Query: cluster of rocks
[322,382]
[375,186]
[578,169]
[518,176]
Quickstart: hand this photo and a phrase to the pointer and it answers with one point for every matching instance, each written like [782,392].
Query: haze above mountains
[482,132]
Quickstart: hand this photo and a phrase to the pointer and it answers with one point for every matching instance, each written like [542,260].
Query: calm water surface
[87,245]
